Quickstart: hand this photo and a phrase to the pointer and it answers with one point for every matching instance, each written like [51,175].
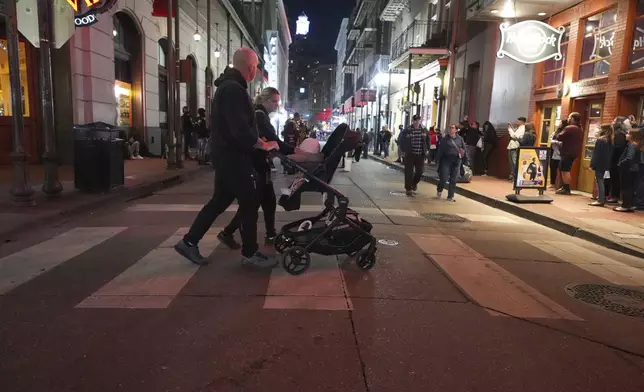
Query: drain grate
[621,300]
[437,216]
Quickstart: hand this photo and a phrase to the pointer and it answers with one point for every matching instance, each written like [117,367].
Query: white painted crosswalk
[487,283]
[595,263]
[303,208]
[154,281]
[21,267]
[158,278]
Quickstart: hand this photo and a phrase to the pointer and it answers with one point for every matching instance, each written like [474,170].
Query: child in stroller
[337,229]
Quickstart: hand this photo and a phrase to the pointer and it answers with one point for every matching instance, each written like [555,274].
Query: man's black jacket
[234,134]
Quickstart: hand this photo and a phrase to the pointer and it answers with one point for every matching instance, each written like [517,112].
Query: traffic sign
[63,22]
[27,13]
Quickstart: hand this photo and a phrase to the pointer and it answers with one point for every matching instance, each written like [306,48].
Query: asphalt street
[463,298]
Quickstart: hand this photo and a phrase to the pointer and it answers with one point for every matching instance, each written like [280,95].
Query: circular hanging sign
[86,19]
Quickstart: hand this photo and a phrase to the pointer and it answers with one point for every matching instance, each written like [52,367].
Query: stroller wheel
[366,259]
[296,260]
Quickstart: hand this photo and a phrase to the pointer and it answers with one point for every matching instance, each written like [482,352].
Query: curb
[543,220]
[124,194]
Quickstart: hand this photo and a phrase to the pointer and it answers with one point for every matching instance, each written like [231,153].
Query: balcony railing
[421,34]
[380,65]
[245,14]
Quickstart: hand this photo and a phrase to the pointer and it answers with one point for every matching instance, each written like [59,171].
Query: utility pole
[177,87]
[51,187]
[209,73]
[170,66]
[21,190]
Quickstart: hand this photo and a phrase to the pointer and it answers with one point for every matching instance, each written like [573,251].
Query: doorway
[128,75]
[550,120]
[586,178]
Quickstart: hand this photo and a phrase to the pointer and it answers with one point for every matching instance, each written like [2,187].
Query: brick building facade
[601,75]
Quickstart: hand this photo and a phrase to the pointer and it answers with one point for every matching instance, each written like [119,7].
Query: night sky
[325,17]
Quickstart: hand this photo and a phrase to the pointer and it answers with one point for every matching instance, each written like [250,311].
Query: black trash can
[98,157]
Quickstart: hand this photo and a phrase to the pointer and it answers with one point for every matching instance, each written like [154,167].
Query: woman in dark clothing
[203,133]
[188,126]
[266,102]
[601,160]
[489,144]
[619,144]
[629,166]
[555,156]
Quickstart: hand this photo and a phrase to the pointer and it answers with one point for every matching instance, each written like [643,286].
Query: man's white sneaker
[439,195]
[450,199]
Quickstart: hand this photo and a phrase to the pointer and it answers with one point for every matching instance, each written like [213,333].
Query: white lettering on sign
[85,20]
[530,41]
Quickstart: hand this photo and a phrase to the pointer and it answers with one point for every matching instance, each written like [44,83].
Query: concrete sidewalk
[568,214]
[142,177]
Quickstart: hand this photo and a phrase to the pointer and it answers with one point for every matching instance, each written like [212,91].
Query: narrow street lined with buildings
[463,297]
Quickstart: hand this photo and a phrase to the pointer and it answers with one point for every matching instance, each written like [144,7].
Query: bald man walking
[234,138]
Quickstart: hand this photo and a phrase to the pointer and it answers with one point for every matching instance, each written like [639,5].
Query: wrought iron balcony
[428,39]
[393,9]
[244,11]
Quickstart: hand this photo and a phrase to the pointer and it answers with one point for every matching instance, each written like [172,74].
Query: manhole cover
[437,216]
[388,242]
[615,299]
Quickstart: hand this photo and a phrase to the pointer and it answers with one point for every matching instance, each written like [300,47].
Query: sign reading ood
[530,41]
[86,11]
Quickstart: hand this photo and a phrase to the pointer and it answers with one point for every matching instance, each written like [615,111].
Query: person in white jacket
[516,134]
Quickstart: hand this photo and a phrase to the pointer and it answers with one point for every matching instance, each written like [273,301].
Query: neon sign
[88,4]
[530,42]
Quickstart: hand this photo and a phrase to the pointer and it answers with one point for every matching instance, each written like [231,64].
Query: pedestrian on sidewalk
[203,133]
[234,141]
[385,140]
[450,156]
[516,134]
[414,143]
[489,145]
[265,103]
[600,161]
[621,127]
[555,154]
[397,140]
[188,127]
[571,138]
[629,165]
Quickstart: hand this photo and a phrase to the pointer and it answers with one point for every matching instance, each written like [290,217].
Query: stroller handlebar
[343,201]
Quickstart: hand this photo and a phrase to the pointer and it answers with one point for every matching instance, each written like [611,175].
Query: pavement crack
[363,366]
[372,201]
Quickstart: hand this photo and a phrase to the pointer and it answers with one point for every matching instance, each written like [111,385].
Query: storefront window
[553,70]
[636,59]
[597,47]
[5,85]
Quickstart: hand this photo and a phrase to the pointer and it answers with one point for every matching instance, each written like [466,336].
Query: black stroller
[337,230]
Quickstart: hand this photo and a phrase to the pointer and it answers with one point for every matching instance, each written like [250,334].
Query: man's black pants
[414,166]
[234,179]
[266,200]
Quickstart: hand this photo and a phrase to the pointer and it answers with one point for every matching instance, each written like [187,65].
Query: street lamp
[197,36]
[217,53]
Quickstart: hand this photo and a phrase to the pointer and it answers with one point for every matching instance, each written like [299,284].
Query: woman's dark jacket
[266,131]
[602,155]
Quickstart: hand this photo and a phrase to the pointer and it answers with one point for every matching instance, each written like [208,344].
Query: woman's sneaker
[269,240]
[450,199]
[228,240]
[439,195]
[259,261]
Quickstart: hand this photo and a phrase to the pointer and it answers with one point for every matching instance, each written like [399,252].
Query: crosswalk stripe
[154,281]
[320,288]
[234,207]
[488,218]
[20,267]
[486,282]
[597,264]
